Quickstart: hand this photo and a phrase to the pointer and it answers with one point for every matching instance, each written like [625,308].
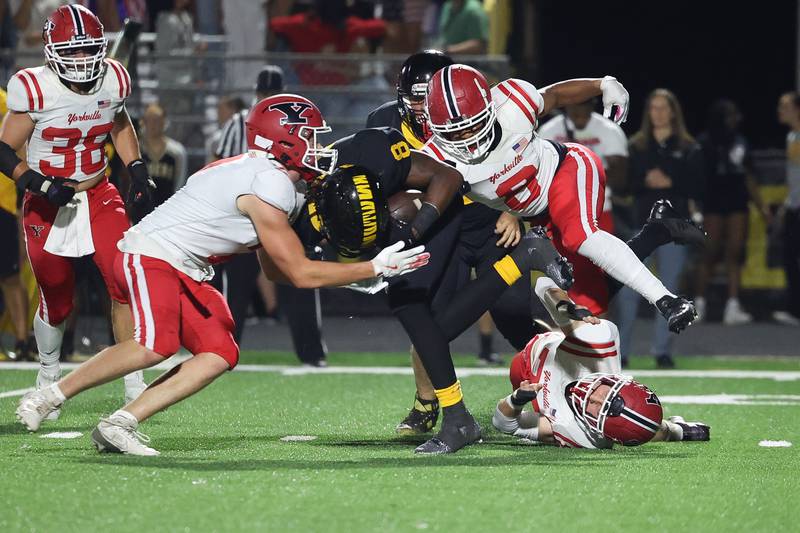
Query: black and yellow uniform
[475,248]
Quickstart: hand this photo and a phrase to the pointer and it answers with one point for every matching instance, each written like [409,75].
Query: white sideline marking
[62,435]
[775,444]
[298,438]
[18,392]
[734,399]
[293,370]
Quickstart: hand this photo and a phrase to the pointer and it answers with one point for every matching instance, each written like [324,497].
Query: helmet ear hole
[617,405]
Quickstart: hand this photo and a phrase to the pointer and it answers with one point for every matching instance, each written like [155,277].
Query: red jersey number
[92,156]
[511,189]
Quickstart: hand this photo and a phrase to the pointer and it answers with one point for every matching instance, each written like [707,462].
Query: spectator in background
[581,124]
[403,25]
[165,157]
[728,189]
[789,115]
[464,27]
[15,298]
[175,37]
[329,28]
[14,18]
[226,108]
[245,26]
[665,162]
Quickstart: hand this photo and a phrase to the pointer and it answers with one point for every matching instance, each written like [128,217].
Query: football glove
[615,99]
[394,261]
[140,193]
[58,191]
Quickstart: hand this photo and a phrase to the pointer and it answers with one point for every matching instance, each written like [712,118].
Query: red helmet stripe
[506,91]
[76,19]
[120,80]
[39,94]
[524,94]
[447,89]
[27,89]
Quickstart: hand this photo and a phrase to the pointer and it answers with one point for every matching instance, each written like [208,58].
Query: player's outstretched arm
[615,97]
[284,250]
[509,417]
[440,182]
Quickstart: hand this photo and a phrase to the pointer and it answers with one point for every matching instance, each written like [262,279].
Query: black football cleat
[663,362]
[681,230]
[421,418]
[457,432]
[679,312]
[692,431]
[535,251]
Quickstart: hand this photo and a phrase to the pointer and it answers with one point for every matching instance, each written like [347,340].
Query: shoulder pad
[26,91]
[117,79]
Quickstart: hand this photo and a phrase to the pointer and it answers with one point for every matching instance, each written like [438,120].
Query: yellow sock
[508,270]
[450,395]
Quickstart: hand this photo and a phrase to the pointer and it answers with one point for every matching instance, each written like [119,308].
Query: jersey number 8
[92,157]
[400,150]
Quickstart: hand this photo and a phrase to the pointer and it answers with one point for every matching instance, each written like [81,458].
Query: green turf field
[224,468]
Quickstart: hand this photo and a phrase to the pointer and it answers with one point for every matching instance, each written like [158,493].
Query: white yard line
[18,392]
[293,370]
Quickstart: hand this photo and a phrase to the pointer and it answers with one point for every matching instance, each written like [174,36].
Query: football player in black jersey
[481,234]
[348,206]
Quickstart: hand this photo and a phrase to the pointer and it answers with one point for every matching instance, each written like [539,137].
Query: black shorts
[9,244]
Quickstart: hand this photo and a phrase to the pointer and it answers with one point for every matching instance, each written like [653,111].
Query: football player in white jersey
[572,378]
[231,206]
[489,134]
[65,110]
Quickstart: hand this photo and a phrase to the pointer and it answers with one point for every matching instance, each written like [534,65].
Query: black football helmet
[412,84]
[352,211]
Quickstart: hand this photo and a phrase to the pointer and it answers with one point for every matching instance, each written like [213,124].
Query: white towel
[71,234]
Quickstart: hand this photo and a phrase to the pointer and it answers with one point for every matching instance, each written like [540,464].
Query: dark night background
[702,50]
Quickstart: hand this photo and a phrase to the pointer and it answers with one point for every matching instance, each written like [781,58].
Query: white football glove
[368,286]
[394,261]
[614,94]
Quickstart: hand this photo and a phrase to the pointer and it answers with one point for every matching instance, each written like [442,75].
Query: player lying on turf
[571,376]
[231,206]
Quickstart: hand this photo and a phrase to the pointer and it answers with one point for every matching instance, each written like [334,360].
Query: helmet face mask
[461,113]
[75,44]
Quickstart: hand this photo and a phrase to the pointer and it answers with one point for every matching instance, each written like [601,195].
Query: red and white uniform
[70,130]
[601,135]
[524,174]
[167,257]
[556,361]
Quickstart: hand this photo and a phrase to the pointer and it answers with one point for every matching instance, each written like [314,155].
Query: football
[403,206]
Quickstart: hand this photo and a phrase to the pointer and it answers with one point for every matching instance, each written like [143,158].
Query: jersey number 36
[92,157]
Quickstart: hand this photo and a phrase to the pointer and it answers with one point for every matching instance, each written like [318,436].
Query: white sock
[121,413]
[618,260]
[134,380]
[56,390]
[48,340]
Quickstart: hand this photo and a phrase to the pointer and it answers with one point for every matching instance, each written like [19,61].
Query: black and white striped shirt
[233,140]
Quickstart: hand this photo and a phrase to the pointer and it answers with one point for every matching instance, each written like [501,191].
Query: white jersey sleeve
[274,187]
[117,81]
[524,95]
[614,142]
[20,96]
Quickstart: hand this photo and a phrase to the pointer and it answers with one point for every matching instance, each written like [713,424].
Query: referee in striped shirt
[238,276]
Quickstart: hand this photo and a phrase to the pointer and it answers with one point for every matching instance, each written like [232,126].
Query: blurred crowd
[708,176]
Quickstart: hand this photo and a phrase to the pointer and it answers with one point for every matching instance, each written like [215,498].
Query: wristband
[8,159]
[33,181]
[427,215]
[138,170]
